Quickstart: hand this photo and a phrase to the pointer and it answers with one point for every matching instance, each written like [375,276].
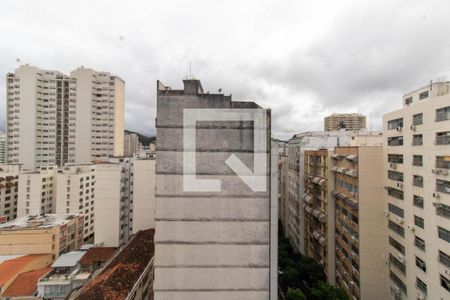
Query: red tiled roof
[100,254]
[9,269]
[25,284]
[118,278]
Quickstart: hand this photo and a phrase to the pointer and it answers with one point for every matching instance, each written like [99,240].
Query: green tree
[295,294]
[324,291]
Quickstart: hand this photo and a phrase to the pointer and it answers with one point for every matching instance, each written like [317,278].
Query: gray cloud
[302,59]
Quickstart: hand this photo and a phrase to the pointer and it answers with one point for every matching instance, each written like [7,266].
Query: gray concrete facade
[212,245]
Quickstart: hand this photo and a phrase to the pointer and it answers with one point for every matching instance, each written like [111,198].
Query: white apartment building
[37,192]
[131,144]
[2,148]
[75,194]
[9,176]
[417,184]
[125,199]
[53,118]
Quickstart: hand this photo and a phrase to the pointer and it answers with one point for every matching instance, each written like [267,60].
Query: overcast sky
[303,59]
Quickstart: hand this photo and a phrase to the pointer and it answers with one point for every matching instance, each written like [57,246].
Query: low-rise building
[42,234]
[128,275]
[65,277]
[12,267]
[24,287]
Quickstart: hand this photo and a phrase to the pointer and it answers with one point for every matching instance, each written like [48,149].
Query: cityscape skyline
[298,78]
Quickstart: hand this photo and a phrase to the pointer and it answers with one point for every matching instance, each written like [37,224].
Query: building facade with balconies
[417,183]
[359,230]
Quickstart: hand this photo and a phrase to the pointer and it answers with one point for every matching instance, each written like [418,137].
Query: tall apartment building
[53,118]
[131,144]
[360,233]
[9,177]
[124,199]
[36,194]
[75,194]
[298,144]
[348,121]
[319,217]
[2,148]
[44,234]
[217,244]
[417,162]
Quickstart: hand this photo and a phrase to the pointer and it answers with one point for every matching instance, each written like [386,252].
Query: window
[443,186]
[394,124]
[418,180]
[399,265]
[408,100]
[423,95]
[396,228]
[395,193]
[443,138]
[444,234]
[395,158]
[396,210]
[443,114]
[443,210]
[394,175]
[418,160]
[419,243]
[417,140]
[444,258]
[421,285]
[419,222]
[418,119]
[395,141]
[398,282]
[443,162]
[397,245]
[445,283]
[421,264]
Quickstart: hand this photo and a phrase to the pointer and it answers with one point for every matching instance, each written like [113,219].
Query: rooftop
[118,277]
[37,221]
[25,284]
[9,269]
[97,254]
[69,259]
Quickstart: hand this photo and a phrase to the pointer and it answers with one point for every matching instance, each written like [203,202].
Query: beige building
[125,199]
[345,121]
[75,194]
[74,119]
[360,233]
[37,192]
[131,144]
[9,177]
[319,216]
[44,234]
[417,163]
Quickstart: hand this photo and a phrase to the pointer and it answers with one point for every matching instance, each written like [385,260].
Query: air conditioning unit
[447,272]
[401,257]
[436,195]
[386,213]
[393,166]
[400,185]
[411,227]
[401,220]
[444,172]
[399,128]
[413,128]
